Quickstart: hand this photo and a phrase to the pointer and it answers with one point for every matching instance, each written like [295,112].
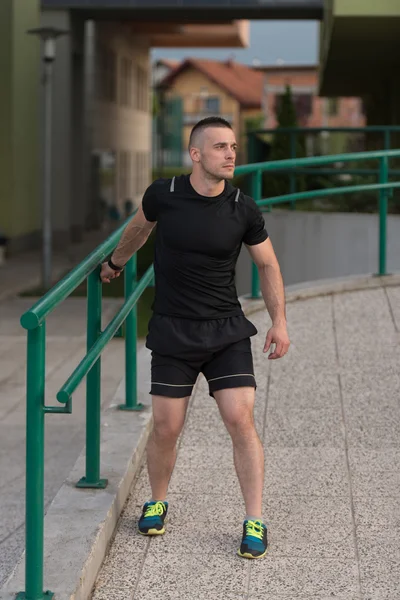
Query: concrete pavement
[329,418]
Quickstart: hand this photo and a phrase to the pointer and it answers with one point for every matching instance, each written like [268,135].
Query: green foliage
[279,184]
[254,123]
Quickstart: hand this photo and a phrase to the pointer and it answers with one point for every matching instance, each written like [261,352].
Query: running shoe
[153,516]
[254,542]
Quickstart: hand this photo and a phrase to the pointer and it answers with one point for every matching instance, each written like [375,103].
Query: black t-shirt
[198,240]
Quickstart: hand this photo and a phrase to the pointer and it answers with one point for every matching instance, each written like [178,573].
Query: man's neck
[207,187]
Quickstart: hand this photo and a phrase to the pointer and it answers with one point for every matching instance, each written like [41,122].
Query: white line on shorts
[172,384]
[237,375]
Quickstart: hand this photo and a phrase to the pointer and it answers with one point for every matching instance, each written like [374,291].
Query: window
[303,106]
[124,176]
[212,105]
[136,171]
[333,107]
[106,74]
[126,81]
[141,166]
[141,97]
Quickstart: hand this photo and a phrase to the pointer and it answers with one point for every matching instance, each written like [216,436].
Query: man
[198,324]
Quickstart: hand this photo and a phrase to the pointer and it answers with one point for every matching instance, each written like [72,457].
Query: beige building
[101,114]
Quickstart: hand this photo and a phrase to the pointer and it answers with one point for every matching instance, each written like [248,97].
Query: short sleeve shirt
[198,241]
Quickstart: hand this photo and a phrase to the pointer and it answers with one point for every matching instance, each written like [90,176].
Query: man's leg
[236,407]
[169,418]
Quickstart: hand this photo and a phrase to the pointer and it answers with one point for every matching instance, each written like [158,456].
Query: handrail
[64,395]
[348,189]
[281,165]
[34,320]
[367,129]
[39,311]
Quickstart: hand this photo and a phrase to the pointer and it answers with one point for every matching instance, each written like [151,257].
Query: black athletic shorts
[183,348]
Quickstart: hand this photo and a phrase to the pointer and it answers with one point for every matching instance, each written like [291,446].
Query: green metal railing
[34,320]
[384,131]
[384,187]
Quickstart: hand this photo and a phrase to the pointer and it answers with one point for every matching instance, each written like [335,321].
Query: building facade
[312,110]
[101,113]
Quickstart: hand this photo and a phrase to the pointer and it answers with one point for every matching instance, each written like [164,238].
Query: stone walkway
[328,415]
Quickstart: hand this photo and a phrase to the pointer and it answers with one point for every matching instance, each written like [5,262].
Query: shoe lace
[155,509]
[255,529]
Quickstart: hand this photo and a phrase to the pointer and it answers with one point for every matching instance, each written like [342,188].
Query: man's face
[217,152]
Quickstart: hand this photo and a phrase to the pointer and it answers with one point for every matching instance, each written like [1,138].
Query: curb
[325,287]
[79,524]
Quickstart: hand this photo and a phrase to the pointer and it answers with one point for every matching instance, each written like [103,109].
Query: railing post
[256,192]
[293,140]
[387,144]
[131,341]
[93,389]
[383,206]
[34,509]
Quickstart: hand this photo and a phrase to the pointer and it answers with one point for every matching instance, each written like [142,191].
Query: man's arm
[133,238]
[273,292]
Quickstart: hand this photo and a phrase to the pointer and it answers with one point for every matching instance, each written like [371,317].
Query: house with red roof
[206,87]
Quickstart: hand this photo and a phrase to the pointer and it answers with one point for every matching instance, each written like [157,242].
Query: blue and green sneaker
[254,542]
[153,516]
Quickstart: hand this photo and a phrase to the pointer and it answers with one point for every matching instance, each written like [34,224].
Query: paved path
[65,434]
[329,418]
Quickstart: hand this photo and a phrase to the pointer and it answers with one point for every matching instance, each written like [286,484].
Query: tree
[277,184]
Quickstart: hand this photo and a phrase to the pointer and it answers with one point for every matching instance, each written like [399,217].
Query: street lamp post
[48,35]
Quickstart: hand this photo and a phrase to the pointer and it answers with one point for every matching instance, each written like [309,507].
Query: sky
[294,42]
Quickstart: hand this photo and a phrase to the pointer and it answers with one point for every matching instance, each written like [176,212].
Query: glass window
[212,105]
[333,107]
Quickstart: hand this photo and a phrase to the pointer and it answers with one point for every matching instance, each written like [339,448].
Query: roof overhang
[192,10]
[357,52]
[175,35]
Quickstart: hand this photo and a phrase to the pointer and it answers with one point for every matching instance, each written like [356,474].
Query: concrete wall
[19,144]
[312,246]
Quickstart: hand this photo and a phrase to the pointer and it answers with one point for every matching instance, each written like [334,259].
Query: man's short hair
[204,124]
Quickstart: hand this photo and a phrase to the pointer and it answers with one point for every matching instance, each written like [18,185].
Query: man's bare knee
[168,418]
[236,407]
[167,431]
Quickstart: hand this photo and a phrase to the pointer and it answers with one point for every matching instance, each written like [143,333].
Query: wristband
[114,267]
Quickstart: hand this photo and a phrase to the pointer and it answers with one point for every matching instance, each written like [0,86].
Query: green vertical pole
[255,282]
[383,206]
[293,141]
[131,341]
[93,389]
[256,192]
[386,143]
[34,509]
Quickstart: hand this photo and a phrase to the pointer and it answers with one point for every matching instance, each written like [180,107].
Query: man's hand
[277,335]
[107,273]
